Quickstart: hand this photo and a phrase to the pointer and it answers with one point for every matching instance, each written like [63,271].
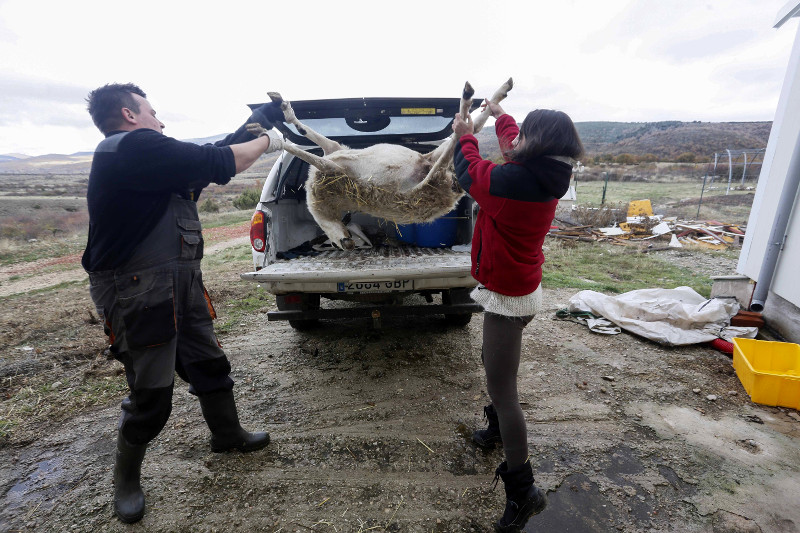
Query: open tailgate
[426,267]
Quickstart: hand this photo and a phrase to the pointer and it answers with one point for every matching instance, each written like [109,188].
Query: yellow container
[769,371]
[640,208]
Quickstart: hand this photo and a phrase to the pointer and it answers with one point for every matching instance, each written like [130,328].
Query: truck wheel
[459,320]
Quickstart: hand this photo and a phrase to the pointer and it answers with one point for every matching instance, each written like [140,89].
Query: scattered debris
[753,418]
[653,232]
[640,208]
[426,446]
[749,444]
[748,318]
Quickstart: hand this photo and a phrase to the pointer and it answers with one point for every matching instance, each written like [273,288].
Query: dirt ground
[370,430]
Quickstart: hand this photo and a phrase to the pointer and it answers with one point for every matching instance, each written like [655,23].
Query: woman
[517,204]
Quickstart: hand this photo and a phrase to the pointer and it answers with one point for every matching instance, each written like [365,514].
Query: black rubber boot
[219,410]
[487,438]
[523,498]
[128,495]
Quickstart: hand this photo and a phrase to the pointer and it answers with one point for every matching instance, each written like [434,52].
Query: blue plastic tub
[441,233]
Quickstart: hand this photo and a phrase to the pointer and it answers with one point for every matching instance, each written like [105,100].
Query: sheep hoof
[347,243]
[469,92]
[275,97]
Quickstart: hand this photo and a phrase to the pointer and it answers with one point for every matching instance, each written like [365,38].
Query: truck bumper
[375,312]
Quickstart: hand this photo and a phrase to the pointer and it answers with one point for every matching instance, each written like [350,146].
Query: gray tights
[502,343]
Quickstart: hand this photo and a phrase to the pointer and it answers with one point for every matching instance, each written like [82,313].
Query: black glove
[265,115]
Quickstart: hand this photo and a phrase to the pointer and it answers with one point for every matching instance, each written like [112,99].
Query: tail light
[257,237]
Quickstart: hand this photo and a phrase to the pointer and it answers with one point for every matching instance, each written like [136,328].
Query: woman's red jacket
[517,205]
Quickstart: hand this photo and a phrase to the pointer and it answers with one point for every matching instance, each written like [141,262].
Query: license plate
[375,286]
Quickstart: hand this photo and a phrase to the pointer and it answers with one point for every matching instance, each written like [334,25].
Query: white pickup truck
[293,260]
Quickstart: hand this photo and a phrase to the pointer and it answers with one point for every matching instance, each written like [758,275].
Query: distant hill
[668,140]
[665,140]
[78,163]
[207,140]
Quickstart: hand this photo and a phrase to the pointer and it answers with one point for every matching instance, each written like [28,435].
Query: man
[143,258]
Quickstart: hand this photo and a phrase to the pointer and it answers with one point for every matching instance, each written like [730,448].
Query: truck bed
[383,263]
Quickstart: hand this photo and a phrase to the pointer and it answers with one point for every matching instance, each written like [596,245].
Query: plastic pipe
[777,235]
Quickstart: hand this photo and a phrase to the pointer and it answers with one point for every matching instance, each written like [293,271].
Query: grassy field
[51,231]
[617,269]
[677,198]
[228,218]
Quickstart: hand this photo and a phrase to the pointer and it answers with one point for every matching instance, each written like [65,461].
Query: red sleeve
[474,174]
[507,130]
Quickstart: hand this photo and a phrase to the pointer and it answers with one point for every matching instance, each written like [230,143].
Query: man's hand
[255,129]
[275,142]
[462,127]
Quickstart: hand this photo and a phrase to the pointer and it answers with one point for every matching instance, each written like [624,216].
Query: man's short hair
[104,104]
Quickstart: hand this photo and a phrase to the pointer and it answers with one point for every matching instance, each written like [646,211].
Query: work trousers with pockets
[159,322]
[158,317]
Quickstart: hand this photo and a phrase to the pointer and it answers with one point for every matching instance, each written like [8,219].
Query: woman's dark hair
[547,132]
[106,102]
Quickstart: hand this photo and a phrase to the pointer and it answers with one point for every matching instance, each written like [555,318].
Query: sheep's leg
[326,166]
[496,98]
[443,155]
[328,217]
[444,152]
[328,146]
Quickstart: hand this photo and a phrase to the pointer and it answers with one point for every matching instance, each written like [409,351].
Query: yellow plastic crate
[769,371]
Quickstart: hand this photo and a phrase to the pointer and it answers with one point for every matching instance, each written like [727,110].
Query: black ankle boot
[219,410]
[128,495]
[523,498]
[486,438]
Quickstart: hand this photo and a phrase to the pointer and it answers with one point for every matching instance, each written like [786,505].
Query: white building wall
[784,140]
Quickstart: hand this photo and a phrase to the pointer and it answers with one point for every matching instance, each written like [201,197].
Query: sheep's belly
[383,164]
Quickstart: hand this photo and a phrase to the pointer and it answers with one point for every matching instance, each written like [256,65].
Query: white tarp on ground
[672,317]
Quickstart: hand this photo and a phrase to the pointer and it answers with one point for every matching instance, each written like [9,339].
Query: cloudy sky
[201,62]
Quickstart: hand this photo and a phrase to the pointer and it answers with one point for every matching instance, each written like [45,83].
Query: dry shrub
[599,217]
[43,223]
[248,199]
[8,246]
